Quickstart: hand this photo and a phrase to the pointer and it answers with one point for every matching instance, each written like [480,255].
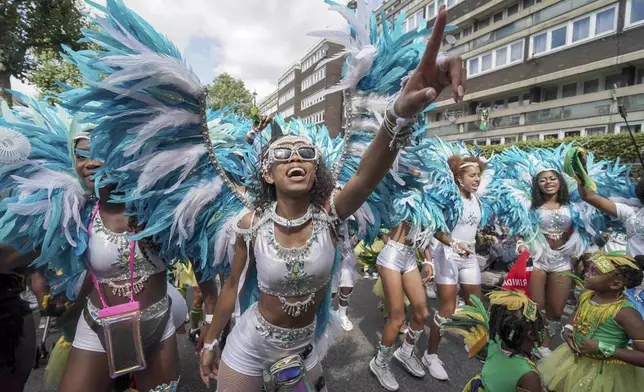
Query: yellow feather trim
[515,300]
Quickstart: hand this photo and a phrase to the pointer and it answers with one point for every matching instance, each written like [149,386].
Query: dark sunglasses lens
[306,152]
[289,374]
[282,153]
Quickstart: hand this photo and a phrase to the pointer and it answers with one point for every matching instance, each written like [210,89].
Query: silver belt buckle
[288,374]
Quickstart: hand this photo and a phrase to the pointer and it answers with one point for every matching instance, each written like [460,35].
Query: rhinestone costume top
[109,254]
[555,223]
[294,272]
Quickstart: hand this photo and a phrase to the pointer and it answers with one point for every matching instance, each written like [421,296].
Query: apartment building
[302,81]
[537,69]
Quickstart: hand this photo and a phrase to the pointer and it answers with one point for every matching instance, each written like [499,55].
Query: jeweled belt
[287,337]
[155,310]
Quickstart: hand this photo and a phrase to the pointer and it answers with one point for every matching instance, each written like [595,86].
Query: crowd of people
[131,183]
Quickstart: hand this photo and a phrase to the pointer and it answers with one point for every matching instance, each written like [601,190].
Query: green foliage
[51,68]
[226,91]
[31,26]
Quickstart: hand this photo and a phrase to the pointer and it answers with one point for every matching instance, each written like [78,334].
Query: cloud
[253,40]
[24,88]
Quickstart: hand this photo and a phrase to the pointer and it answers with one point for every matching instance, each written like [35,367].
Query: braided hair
[510,327]
[633,276]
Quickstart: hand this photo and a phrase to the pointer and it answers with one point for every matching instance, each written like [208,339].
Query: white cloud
[24,88]
[254,40]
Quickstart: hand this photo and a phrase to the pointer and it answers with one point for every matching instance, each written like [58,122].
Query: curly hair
[455,162]
[320,192]
[563,196]
[510,327]
[632,276]
[639,190]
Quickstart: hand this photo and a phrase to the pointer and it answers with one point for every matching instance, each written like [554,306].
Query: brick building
[542,68]
[303,80]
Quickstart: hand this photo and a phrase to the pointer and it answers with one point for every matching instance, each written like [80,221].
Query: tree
[28,27]
[51,68]
[226,91]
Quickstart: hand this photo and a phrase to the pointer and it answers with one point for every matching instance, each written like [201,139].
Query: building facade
[298,86]
[537,69]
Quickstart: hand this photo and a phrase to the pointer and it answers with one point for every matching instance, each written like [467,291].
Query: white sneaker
[366,275]
[411,363]
[384,376]
[435,366]
[430,291]
[542,352]
[43,323]
[460,302]
[404,329]
[374,276]
[345,323]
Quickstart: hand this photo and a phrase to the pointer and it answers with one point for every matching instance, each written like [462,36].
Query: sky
[252,40]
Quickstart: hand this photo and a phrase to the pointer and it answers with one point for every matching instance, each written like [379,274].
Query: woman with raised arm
[291,239]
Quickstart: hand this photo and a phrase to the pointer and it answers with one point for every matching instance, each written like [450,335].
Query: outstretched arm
[601,203]
[429,79]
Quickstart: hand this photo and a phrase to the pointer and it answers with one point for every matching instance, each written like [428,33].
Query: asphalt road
[346,366]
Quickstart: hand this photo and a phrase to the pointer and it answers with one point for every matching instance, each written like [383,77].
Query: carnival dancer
[343,287]
[596,356]
[537,202]
[457,178]
[509,332]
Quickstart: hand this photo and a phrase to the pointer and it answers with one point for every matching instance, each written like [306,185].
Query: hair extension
[563,196]
[510,326]
[320,192]
[633,277]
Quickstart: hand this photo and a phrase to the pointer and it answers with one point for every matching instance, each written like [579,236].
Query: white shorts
[88,340]
[452,269]
[398,257]
[557,262]
[254,344]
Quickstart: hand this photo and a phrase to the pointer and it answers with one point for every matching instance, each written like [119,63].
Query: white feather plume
[186,213]
[162,119]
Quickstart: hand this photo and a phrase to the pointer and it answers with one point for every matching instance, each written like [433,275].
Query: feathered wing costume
[47,209]
[511,192]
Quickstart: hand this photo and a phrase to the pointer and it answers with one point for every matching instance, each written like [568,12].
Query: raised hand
[434,72]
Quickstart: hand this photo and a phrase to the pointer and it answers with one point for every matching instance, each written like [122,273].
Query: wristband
[520,243]
[428,262]
[211,346]
[566,327]
[607,350]
[208,318]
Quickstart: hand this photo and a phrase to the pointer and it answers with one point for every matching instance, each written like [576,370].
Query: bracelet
[607,350]
[211,346]
[398,128]
[208,318]
[520,243]
[430,262]
[566,327]
[251,134]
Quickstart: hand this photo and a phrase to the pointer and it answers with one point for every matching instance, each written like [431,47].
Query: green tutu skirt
[562,371]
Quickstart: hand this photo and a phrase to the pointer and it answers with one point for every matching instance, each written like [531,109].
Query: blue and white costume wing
[47,209]
[511,190]
[179,166]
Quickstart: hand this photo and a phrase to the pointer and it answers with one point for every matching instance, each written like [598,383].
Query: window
[529,138]
[572,133]
[480,142]
[317,76]
[640,76]
[501,56]
[469,142]
[413,21]
[288,112]
[569,90]
[581,29]
[314,118]
[613,80]
[498,17]
[312,60]
[306,103]
[591,86]
[550,93]
[499,104]
[527,3]
[510,139]
[513,102]
[430,10]
[513,9]
[496,59]
[483,23]
[286,81]
[634,127]
[605,21]
[495,142]
[289,94]
[467,31]
[551,136]
[587,27]
[634,12]
[596,131]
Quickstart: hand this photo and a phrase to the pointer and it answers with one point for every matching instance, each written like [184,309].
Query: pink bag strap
[132,245]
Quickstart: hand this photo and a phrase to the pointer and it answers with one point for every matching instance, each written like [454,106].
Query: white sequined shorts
[452,269]
[557,262]
[398,257]
[254,344]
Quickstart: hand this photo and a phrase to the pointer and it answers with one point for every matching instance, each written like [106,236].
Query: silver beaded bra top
[109,256]
[555,223]
[293,272]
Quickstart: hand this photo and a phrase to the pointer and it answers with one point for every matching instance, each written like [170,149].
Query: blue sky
[254,40]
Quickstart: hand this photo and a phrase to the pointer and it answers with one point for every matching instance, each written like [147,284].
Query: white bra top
[554,223]
[109,256]
[293,272]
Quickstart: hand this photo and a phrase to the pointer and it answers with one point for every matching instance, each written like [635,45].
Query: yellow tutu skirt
[562,371]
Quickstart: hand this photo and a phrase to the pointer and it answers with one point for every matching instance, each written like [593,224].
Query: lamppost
[254,97]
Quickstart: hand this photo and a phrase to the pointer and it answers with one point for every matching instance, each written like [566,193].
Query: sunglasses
[307,153]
